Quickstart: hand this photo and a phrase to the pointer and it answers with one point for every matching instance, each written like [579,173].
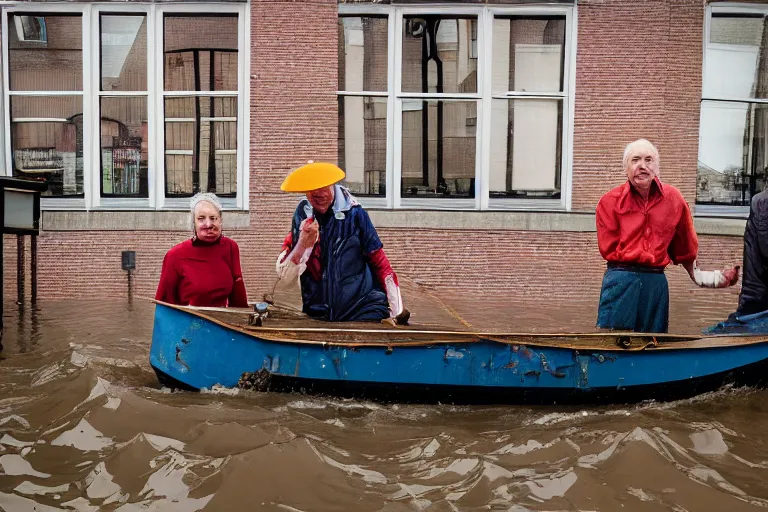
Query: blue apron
[634,299]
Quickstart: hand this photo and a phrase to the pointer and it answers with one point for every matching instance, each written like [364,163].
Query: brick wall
[636,81]
[648,88]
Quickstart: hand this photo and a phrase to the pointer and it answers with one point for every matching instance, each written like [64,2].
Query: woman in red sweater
[204,270]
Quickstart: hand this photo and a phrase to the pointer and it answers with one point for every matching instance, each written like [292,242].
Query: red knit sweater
[197,273]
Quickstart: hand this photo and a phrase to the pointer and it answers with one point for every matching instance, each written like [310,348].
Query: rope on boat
[445,306]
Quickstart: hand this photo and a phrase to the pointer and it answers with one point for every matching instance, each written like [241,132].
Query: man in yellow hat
[335,252]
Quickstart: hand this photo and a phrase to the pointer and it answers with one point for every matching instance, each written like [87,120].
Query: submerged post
[20,273]
[128,261]
[33,263]
[20,215]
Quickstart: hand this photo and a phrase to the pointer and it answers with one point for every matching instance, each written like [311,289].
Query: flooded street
[85,426]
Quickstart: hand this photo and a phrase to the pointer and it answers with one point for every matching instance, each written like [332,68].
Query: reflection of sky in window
[721,138]
[118,34]
[730,71]
[353,31]
[448,32]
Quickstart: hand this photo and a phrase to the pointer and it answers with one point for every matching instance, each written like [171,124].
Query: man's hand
[308,234]
[308,231]
[712,278]
[732,275]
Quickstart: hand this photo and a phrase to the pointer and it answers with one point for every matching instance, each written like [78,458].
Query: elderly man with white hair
[205,269]
[643,226]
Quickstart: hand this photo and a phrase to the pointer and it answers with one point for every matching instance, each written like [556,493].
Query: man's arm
[388,279]
[607,227]
[382,269]
[303,255]
[684,251]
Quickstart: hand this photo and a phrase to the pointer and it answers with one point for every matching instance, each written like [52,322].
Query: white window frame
[709,210]
[395,97]
[155,94]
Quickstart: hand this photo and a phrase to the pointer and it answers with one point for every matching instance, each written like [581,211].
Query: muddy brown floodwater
[84,426]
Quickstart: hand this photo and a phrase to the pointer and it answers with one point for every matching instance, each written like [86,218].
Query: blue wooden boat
[195,348]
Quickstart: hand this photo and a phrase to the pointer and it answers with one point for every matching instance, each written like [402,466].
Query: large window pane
[736,66]
[45,53]
[438,150]
[528,54]
[201,53]
[363,143]
[526,148]
[123,52]
[437,54]
[363,53]
[733,152]
[201,146]
[47,141]
[124,147]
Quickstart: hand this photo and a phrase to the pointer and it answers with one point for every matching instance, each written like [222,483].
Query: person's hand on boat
[403,317]
[713,278]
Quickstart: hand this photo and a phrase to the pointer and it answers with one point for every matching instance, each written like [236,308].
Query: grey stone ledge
[122,220]
[525,221]
[165,220]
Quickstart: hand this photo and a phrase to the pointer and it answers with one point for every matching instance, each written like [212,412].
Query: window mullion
[243,125]
[395,61]
[90,109]
[155,88]
[6,109]
[485,109]
[569,111]
[391,57]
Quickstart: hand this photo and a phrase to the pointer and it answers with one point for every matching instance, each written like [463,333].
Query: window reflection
[201,145]
[733,152]
[363,144]
[47,141]
[527,150]
[439,147]
[363,53]
[437,55]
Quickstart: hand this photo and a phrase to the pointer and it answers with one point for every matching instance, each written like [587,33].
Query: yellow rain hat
[312,176]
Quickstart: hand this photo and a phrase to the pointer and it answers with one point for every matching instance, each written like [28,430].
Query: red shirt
[651,233]
[196,273]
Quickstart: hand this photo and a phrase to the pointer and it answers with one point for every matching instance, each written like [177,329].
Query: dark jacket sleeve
[754,292]
[369,238]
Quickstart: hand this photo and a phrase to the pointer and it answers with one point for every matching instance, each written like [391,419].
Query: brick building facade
[638,73]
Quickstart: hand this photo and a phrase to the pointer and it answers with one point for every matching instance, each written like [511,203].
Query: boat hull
[191,352]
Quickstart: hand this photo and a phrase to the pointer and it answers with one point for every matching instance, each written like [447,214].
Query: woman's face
[207,222]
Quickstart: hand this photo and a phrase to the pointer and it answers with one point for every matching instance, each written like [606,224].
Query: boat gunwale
[654,341]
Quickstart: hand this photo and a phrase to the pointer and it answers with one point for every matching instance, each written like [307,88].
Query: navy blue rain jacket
[754,285]
[348,290]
